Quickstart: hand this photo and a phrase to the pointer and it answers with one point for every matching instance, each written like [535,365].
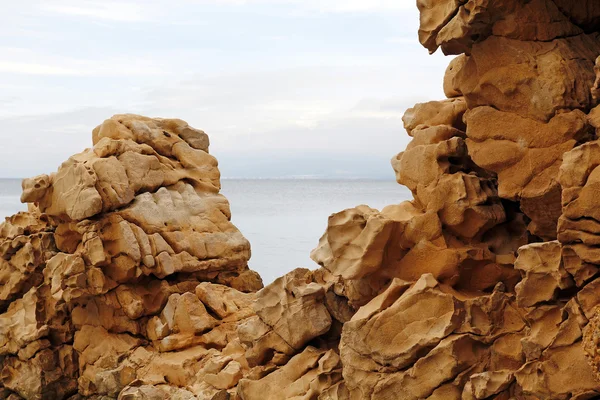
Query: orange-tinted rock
[531,79]
[84,304]
[293,307]
[526,154]
[308,374]
[436,167]
[543,272]
[456,26]
[26,244]
[126,278]
[591,342]
[579,222]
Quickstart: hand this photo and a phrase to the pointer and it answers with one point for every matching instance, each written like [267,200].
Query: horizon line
[257,178]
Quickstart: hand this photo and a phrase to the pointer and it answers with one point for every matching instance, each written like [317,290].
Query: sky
[284,88]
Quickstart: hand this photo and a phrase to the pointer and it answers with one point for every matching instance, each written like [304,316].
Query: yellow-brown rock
[307,375]
[591,342]
[456,26]
[437,168]
[26,244]
[85,304]
[577,226]
[436,328]
[126,279]
[530,78]
[526,154]
[544,274]
[293,307]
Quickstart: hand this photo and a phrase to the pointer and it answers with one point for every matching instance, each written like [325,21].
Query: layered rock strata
[127,280]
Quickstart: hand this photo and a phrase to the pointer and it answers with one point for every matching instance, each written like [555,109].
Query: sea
[282,218]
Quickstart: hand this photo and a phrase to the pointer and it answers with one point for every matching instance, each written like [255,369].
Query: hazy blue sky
[283,87]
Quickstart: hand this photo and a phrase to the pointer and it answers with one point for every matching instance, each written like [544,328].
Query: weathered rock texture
[126,269]
[127,280]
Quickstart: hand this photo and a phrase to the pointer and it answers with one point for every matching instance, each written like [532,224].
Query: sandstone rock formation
[126,266]
[126,279]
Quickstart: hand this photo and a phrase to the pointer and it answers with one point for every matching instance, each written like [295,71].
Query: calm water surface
[282,219]
[10,193]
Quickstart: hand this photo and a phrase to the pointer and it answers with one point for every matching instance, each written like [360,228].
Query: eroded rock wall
[110,276]
[126,278]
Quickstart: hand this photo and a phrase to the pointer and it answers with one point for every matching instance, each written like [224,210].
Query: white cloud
[408,40]
[121,11]
[7,100]
[40,143]
[258,75]
[28,62]
[324,6]
[153,10]
[351,108]
[360,5]
[36,69]
[329,109]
